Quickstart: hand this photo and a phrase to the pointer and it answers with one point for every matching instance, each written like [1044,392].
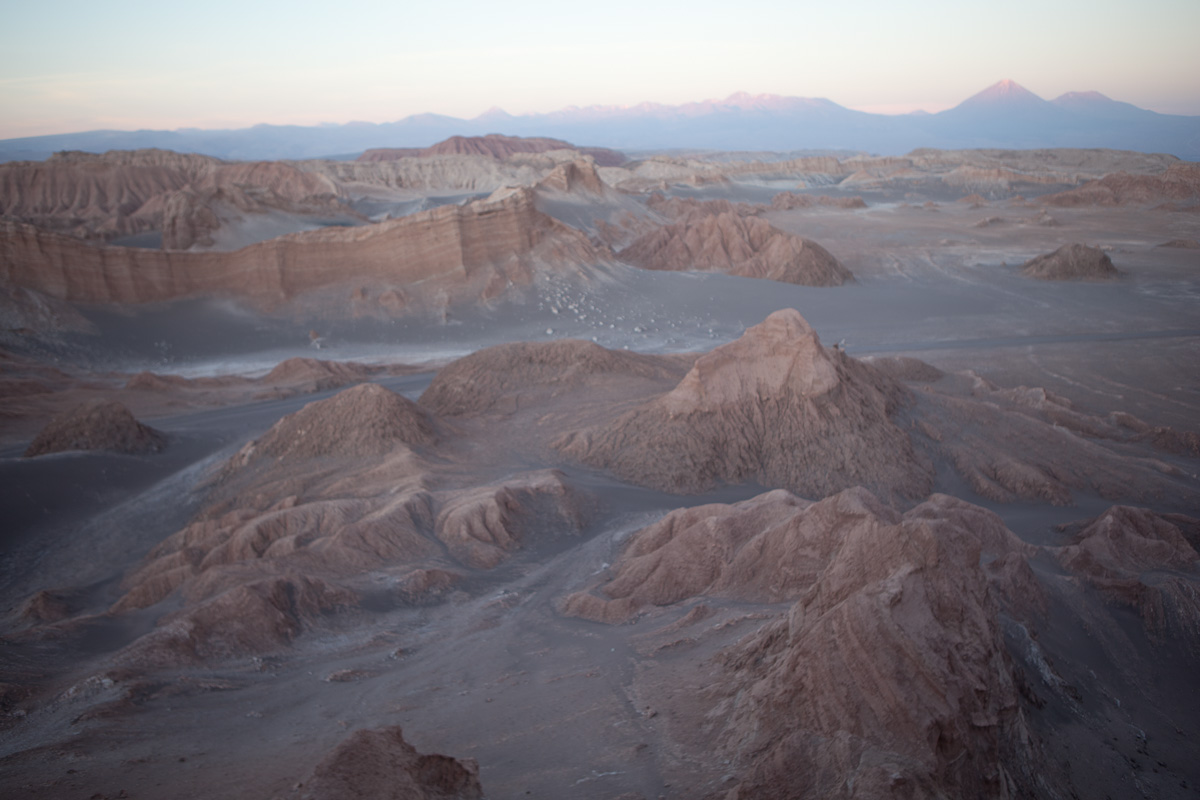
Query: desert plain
[691,476]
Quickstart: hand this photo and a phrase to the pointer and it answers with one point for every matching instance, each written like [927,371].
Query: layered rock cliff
[479,249]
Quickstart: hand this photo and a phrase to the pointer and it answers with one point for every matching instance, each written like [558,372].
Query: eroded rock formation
[367,420]
[97,425]
[1144,560]
[1071,262]
[737,245]
[380,764]
[775,407]
[889,670]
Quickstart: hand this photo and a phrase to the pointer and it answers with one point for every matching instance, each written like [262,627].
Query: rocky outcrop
[774,407]
[1071,262]
[889,670]
[1144,560]
[97,425]
[574,177]
[192,216]
[493,145]
[188,219]
[379,764]
[769,549]
[340,488]
[737,245]
[255,617]
[482,526]
[476,251]
[367,420]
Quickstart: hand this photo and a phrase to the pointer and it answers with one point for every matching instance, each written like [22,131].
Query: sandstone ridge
[478,250]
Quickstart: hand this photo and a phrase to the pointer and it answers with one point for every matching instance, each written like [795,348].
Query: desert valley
[506,467]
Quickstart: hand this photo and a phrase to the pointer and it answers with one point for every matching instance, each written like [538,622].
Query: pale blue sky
[68,65]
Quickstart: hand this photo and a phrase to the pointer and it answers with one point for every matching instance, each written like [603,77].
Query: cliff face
[91,198]
[482,243]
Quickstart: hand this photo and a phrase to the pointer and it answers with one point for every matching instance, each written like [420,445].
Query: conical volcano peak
[1005,92]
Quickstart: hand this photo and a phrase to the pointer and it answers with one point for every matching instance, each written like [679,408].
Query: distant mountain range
[1004,115]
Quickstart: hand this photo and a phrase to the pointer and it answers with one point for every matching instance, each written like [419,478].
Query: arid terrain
[504,469]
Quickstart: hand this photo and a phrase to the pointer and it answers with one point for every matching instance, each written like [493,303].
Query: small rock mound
[1182,244]
[367,420]
[775,407]
[381,765]
[479,382]
[1071,262]
[737,245]
[97,425]
[321,375]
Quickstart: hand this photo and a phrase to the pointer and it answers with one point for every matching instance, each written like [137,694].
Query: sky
[74,65]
